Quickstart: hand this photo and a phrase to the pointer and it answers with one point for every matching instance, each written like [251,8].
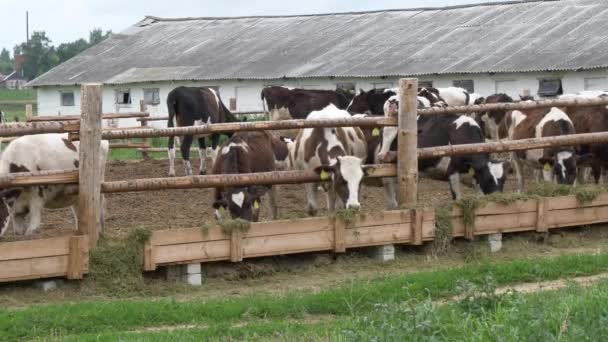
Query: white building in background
[546,47]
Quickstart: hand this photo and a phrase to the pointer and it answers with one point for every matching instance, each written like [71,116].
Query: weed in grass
[478,298]
[115,266]
[443,231]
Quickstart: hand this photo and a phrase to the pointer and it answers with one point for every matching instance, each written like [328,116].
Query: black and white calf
[193,106]
[32,153]
[441,130]
[337,154]
[247,152]
[451,96]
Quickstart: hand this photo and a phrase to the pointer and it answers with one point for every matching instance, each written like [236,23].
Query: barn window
[151,96]
[550,87]
[382,85]
[123,97]
[596,83]
[425,84]
[67,98]
[467,85]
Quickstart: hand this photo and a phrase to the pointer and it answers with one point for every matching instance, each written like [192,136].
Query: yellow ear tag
[547,167]
[221,210]
[324,175]
[376,132]
[256,205]
[471,172]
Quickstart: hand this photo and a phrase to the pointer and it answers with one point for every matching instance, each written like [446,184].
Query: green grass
[17,95]
[14,112]
[345,302]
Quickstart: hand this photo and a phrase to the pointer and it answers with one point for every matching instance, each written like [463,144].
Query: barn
[546,47]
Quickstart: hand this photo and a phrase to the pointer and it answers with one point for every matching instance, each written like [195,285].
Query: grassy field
[14,112]
[416,306]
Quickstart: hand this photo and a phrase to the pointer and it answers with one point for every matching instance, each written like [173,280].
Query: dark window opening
[123,97]
[425,84]
[348,87]
[467,85]
[67,99]
[550,87]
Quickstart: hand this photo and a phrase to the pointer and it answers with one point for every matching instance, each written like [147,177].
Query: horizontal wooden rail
[262,178]
[128,145]
[579,102]
[165,117]
[24,128]
[245,126]
[39,178]
[161,149]
[108,116]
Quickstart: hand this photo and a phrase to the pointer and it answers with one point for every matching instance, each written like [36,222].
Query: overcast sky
[68,20]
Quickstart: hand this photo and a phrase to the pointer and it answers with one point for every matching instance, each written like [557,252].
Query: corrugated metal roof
[507,37]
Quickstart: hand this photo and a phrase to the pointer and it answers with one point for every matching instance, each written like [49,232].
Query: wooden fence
[68,255]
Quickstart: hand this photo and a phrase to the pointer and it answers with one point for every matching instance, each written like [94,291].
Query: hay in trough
[443,231]
[228,226]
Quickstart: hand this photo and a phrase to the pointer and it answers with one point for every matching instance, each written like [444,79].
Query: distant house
[14,80]
[546,47]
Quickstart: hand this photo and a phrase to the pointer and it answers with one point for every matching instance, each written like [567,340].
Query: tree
[40,55]
[66,51]
[6,62]
[97,36]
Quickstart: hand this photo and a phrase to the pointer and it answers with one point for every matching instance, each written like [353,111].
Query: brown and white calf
[194,106]
[556,163]
[33,153]
[247,152]
[336,153]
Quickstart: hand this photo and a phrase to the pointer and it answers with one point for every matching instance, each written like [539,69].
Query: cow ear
[325,171]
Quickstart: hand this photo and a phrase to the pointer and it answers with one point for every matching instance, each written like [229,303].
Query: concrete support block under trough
[190,274]
[383,253]
[495,241]
[48,285]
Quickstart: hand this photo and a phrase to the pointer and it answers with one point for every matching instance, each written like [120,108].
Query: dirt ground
[159,210]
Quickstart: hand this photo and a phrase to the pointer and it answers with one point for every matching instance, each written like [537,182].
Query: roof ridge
[439,8]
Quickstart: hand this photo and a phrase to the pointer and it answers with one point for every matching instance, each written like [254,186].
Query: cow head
[7,200]
[562,166]
[391,106]
[345,176]
[491,176]
[359,104]
[242,202]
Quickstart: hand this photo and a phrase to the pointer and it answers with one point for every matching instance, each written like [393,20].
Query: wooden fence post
[143,108]
[541,216]
[90,175]
[29,112]
[407,161]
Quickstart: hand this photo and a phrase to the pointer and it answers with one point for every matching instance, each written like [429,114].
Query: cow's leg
[311,196]
[455,185]
[215,146]
[18,223]
[272,202]
[331,200]
[36,206]
[201,155]
[171,153]
[390,192]
[517,165]
[185,149]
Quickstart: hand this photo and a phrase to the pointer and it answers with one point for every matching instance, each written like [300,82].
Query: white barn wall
[247,92]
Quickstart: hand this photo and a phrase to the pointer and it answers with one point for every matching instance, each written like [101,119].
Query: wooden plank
[78,249]
[339,232]
[128,145]
[106,116]
[144,124]
[407,138]
[180,236]
[570,202]
[191,252]
[39,178]
[516,207]
[416,224]
[576,217]
[89,184]
[541,215]
[236,246]
[428,230]
[282,227]
[385,217]
[379,235]
[149,264]
[492,224]
[34,248]
[35,268]
[288,244]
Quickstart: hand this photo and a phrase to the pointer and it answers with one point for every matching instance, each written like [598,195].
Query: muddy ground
[172,209]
